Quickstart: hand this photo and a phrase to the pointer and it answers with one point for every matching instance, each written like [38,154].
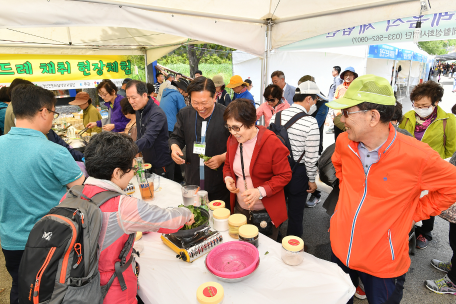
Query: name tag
[199,148]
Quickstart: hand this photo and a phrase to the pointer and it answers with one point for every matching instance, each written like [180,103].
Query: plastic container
[203,197]
[234,222]
[249,233]
[292,250]
[232,260]
[221,216]
[189,195]
[212,206]
[210,293]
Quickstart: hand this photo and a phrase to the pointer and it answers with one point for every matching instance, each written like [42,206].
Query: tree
[437,47]
[194,57]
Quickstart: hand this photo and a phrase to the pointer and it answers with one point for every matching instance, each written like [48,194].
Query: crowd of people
[259,171]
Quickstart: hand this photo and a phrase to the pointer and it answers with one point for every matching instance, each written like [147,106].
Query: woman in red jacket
[256,168]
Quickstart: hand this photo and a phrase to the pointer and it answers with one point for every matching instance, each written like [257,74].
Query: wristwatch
[261,196]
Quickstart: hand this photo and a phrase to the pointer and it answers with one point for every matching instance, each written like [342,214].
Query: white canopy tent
[142,26]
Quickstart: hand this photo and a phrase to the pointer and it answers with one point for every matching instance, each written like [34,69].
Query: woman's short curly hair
[430,89]
[106,152]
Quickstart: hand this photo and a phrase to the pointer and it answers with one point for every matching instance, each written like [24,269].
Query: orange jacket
[375,211]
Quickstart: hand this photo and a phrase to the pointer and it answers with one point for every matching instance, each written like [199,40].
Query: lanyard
[242,166]
[203,138]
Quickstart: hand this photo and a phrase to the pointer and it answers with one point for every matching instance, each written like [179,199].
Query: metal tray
[231,280]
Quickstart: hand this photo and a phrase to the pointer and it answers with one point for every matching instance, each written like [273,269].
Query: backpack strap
[444,135]
[102,197]
[121,266]
[294,119]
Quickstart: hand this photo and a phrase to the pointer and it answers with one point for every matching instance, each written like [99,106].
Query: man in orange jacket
[381,176]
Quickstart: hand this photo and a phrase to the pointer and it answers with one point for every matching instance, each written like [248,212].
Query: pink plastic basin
[232,260]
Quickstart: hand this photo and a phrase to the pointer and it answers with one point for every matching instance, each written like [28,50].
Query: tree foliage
[437,47]
[194,54]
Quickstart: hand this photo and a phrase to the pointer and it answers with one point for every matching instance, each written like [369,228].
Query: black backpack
[60,261]
[282,134]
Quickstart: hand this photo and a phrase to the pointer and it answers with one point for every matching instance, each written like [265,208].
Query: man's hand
[312,187]
[215,162]
[251,196]
[176,152]
[108,127]
[191,221]
[231,185]
[91,125]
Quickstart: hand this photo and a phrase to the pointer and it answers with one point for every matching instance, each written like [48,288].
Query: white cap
[308,87]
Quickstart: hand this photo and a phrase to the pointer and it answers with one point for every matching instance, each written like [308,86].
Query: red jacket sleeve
[280,167]
[227,166]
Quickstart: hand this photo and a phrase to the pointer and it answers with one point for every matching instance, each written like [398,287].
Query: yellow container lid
[248,231]
[216,204]
[237,219]
[221,213]
[210,293]
[292,243]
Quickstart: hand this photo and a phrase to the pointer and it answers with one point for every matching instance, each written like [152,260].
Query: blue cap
[349,69]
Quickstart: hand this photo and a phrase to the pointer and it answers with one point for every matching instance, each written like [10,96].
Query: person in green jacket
[90,113]
[429,123]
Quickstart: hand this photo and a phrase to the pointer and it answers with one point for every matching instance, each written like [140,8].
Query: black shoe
[312,202]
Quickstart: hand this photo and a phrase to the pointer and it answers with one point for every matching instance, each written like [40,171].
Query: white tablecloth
[165,279]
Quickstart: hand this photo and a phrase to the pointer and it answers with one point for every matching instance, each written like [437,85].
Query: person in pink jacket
[275,102]
[122,215]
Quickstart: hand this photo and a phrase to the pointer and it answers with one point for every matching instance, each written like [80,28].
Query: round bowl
[232,280]
[232,260]
[191,232]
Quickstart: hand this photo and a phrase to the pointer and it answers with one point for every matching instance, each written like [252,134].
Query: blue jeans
[378,290]
[454,84]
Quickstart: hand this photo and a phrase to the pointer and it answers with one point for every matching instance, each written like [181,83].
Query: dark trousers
[222,195]
[337,132]
[378,290]
[167,172]
[426,228]
[320,149]
[178,178]
[239,209]
[12,261]
[296,191]
[452,237]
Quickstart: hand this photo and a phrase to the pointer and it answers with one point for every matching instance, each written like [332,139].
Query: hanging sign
[438,26]
[63,71]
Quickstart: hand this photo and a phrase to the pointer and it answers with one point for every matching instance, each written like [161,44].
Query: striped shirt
[304,135]
[157,87]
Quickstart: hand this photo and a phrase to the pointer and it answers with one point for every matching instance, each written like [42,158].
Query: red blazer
[269,168]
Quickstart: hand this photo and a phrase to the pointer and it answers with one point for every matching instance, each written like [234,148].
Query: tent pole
[265,63]
[409,77]
[145,66]
[393,83]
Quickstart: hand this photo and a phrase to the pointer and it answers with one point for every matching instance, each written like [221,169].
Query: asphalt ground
[316,237]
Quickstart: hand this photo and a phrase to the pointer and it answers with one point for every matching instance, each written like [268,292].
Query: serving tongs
[83,131]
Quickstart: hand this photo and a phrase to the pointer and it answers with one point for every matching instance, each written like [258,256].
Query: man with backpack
[304,139]
[34,173]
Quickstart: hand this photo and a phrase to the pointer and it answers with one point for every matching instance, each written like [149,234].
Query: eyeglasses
[346,113]
[424,108]
[270,100]
[194,104]
[135,169]
[55,113]
[234,128]
[102,95]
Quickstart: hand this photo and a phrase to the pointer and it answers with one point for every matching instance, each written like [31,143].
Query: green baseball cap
[366,88]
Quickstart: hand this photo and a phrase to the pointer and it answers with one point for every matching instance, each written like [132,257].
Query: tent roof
[131,25]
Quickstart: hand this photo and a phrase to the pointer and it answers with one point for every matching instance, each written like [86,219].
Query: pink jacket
[268,111]
[122,216]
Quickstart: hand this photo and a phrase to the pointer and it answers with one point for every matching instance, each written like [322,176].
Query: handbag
[260,218]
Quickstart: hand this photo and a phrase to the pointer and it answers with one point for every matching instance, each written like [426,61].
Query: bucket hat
[81,98]
[349,69]
[236,81]
[218,80]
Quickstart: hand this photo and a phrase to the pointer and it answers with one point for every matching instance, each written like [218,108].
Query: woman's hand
[91,125]
[108,127]
[231,185]
[191,221]
[251,196]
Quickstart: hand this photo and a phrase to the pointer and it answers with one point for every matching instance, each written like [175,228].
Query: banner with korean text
[439,26]
[56,72]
